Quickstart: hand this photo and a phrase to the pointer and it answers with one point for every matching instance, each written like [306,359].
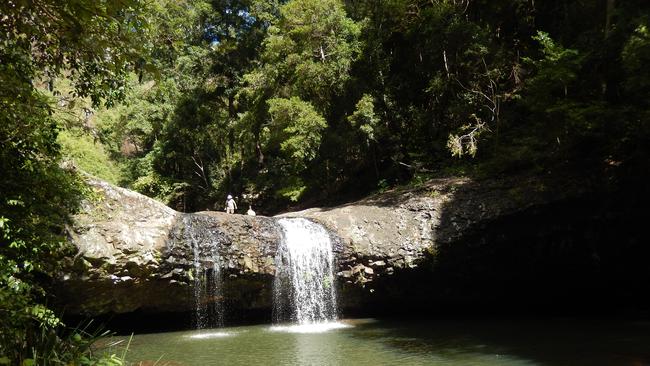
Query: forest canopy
[314,101]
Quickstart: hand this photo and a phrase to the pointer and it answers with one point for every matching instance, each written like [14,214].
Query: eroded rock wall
[137,254]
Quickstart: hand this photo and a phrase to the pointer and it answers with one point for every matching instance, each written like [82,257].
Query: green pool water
[375,342]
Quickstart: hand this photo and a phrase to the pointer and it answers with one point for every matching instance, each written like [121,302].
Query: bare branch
[202,172]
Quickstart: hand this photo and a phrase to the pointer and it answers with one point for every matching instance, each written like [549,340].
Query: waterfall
[208,310]
[304,285]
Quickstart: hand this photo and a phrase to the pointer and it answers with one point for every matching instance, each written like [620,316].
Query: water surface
[373,342]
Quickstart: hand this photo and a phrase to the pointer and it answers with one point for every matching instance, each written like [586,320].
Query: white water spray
[208,310]
[304,285]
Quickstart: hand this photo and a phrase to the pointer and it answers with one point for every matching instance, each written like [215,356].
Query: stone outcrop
[396,231]
[135,253]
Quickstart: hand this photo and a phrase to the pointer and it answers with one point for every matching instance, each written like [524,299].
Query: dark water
[374,342]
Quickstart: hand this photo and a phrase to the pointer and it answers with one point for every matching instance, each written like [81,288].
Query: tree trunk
[611,4]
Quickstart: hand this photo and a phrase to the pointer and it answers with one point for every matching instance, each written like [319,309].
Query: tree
[295,131]
[94,43]
[304,65]
[398,85]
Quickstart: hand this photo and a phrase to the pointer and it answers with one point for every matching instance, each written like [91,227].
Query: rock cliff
[135,253]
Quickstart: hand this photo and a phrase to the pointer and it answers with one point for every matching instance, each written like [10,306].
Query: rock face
[399,231]
[137,254]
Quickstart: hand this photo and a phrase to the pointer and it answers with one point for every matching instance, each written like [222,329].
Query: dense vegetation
[90,43]
[294,102]
[318,101]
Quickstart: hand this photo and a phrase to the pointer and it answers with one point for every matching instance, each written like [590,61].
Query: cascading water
[304,285]
[208,308]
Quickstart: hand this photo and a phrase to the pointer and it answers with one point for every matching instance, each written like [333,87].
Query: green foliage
[307,99]
[40,40]
[297,126]
[53,343]
[466,143]
[365,119]
[88,155]
[555,71]
[151,183]
[304,99]
[308,51]
[162,134]
[93,43]
[304,64]
[294,189]
[635,57]
[599,113]
[313,45]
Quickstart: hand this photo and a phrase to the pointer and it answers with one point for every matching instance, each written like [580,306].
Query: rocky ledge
[135,253]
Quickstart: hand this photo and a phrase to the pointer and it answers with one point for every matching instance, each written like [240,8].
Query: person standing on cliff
[231,205]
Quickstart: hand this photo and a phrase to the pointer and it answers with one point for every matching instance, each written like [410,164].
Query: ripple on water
[309,328]
[209,335]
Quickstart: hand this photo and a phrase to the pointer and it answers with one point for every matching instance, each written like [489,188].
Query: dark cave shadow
[579,255]
[517,340]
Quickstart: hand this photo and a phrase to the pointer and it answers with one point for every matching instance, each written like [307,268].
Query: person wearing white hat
[231,205]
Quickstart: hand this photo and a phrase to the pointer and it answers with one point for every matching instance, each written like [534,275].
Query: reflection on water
[309,327]
[371,342]
[207,335]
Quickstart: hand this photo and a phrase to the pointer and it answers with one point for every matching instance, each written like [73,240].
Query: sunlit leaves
[365,119]
[94,44]
[466,142]
[636,57]
[297,126]
[312,47]
[555,71]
